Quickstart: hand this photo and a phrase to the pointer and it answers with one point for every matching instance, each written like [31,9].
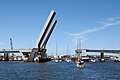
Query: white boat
[60,60]
[102,60]
[80,64]
[36,59]
[92,60]
[3,59]
[15,58]
[79,61]
[56,60]
[68,60]
[117,59]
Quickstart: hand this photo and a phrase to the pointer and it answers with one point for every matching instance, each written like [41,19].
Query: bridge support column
[6,57]
[118,58]
[42,56]
[102,59]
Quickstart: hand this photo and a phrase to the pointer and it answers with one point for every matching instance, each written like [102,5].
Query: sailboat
[79,62]
[56,58]
[92,60]
[68,59]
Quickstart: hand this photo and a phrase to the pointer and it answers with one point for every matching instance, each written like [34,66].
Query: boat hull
[80,65]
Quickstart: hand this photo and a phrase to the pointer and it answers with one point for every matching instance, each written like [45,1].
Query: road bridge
[99,51]
[15,50]
[104,51]
[38,53]
[24,52]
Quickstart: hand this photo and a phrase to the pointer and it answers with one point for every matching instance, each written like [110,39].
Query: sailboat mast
[79,45]
[67,50]
[79,48]
[56,49]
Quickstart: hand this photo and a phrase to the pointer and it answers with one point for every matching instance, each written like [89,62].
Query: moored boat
[92,60]
[56,60]
[68,60]
[79,63]
[102,60]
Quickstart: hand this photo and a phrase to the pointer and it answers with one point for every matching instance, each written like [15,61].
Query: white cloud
[110,22]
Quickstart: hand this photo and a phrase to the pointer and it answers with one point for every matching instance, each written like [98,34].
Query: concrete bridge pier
[6,57]
[42,56]
[118,58]
[33,55]
[102,59]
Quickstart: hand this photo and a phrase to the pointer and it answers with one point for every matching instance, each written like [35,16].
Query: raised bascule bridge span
[38,53]
[102,52]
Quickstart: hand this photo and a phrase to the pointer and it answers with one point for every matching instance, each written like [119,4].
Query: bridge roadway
[24,51]
[29,50]
[99,51]
[103,51]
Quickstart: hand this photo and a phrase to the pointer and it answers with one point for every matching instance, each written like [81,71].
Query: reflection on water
[109,70]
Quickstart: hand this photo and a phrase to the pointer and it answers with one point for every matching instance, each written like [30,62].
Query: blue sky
[96,22]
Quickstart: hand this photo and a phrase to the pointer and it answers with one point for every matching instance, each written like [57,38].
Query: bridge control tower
[38,53]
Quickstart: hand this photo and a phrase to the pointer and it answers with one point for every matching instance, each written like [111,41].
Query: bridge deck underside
[9,51]
[104,51]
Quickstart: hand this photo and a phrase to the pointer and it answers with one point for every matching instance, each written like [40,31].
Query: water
[108,70]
